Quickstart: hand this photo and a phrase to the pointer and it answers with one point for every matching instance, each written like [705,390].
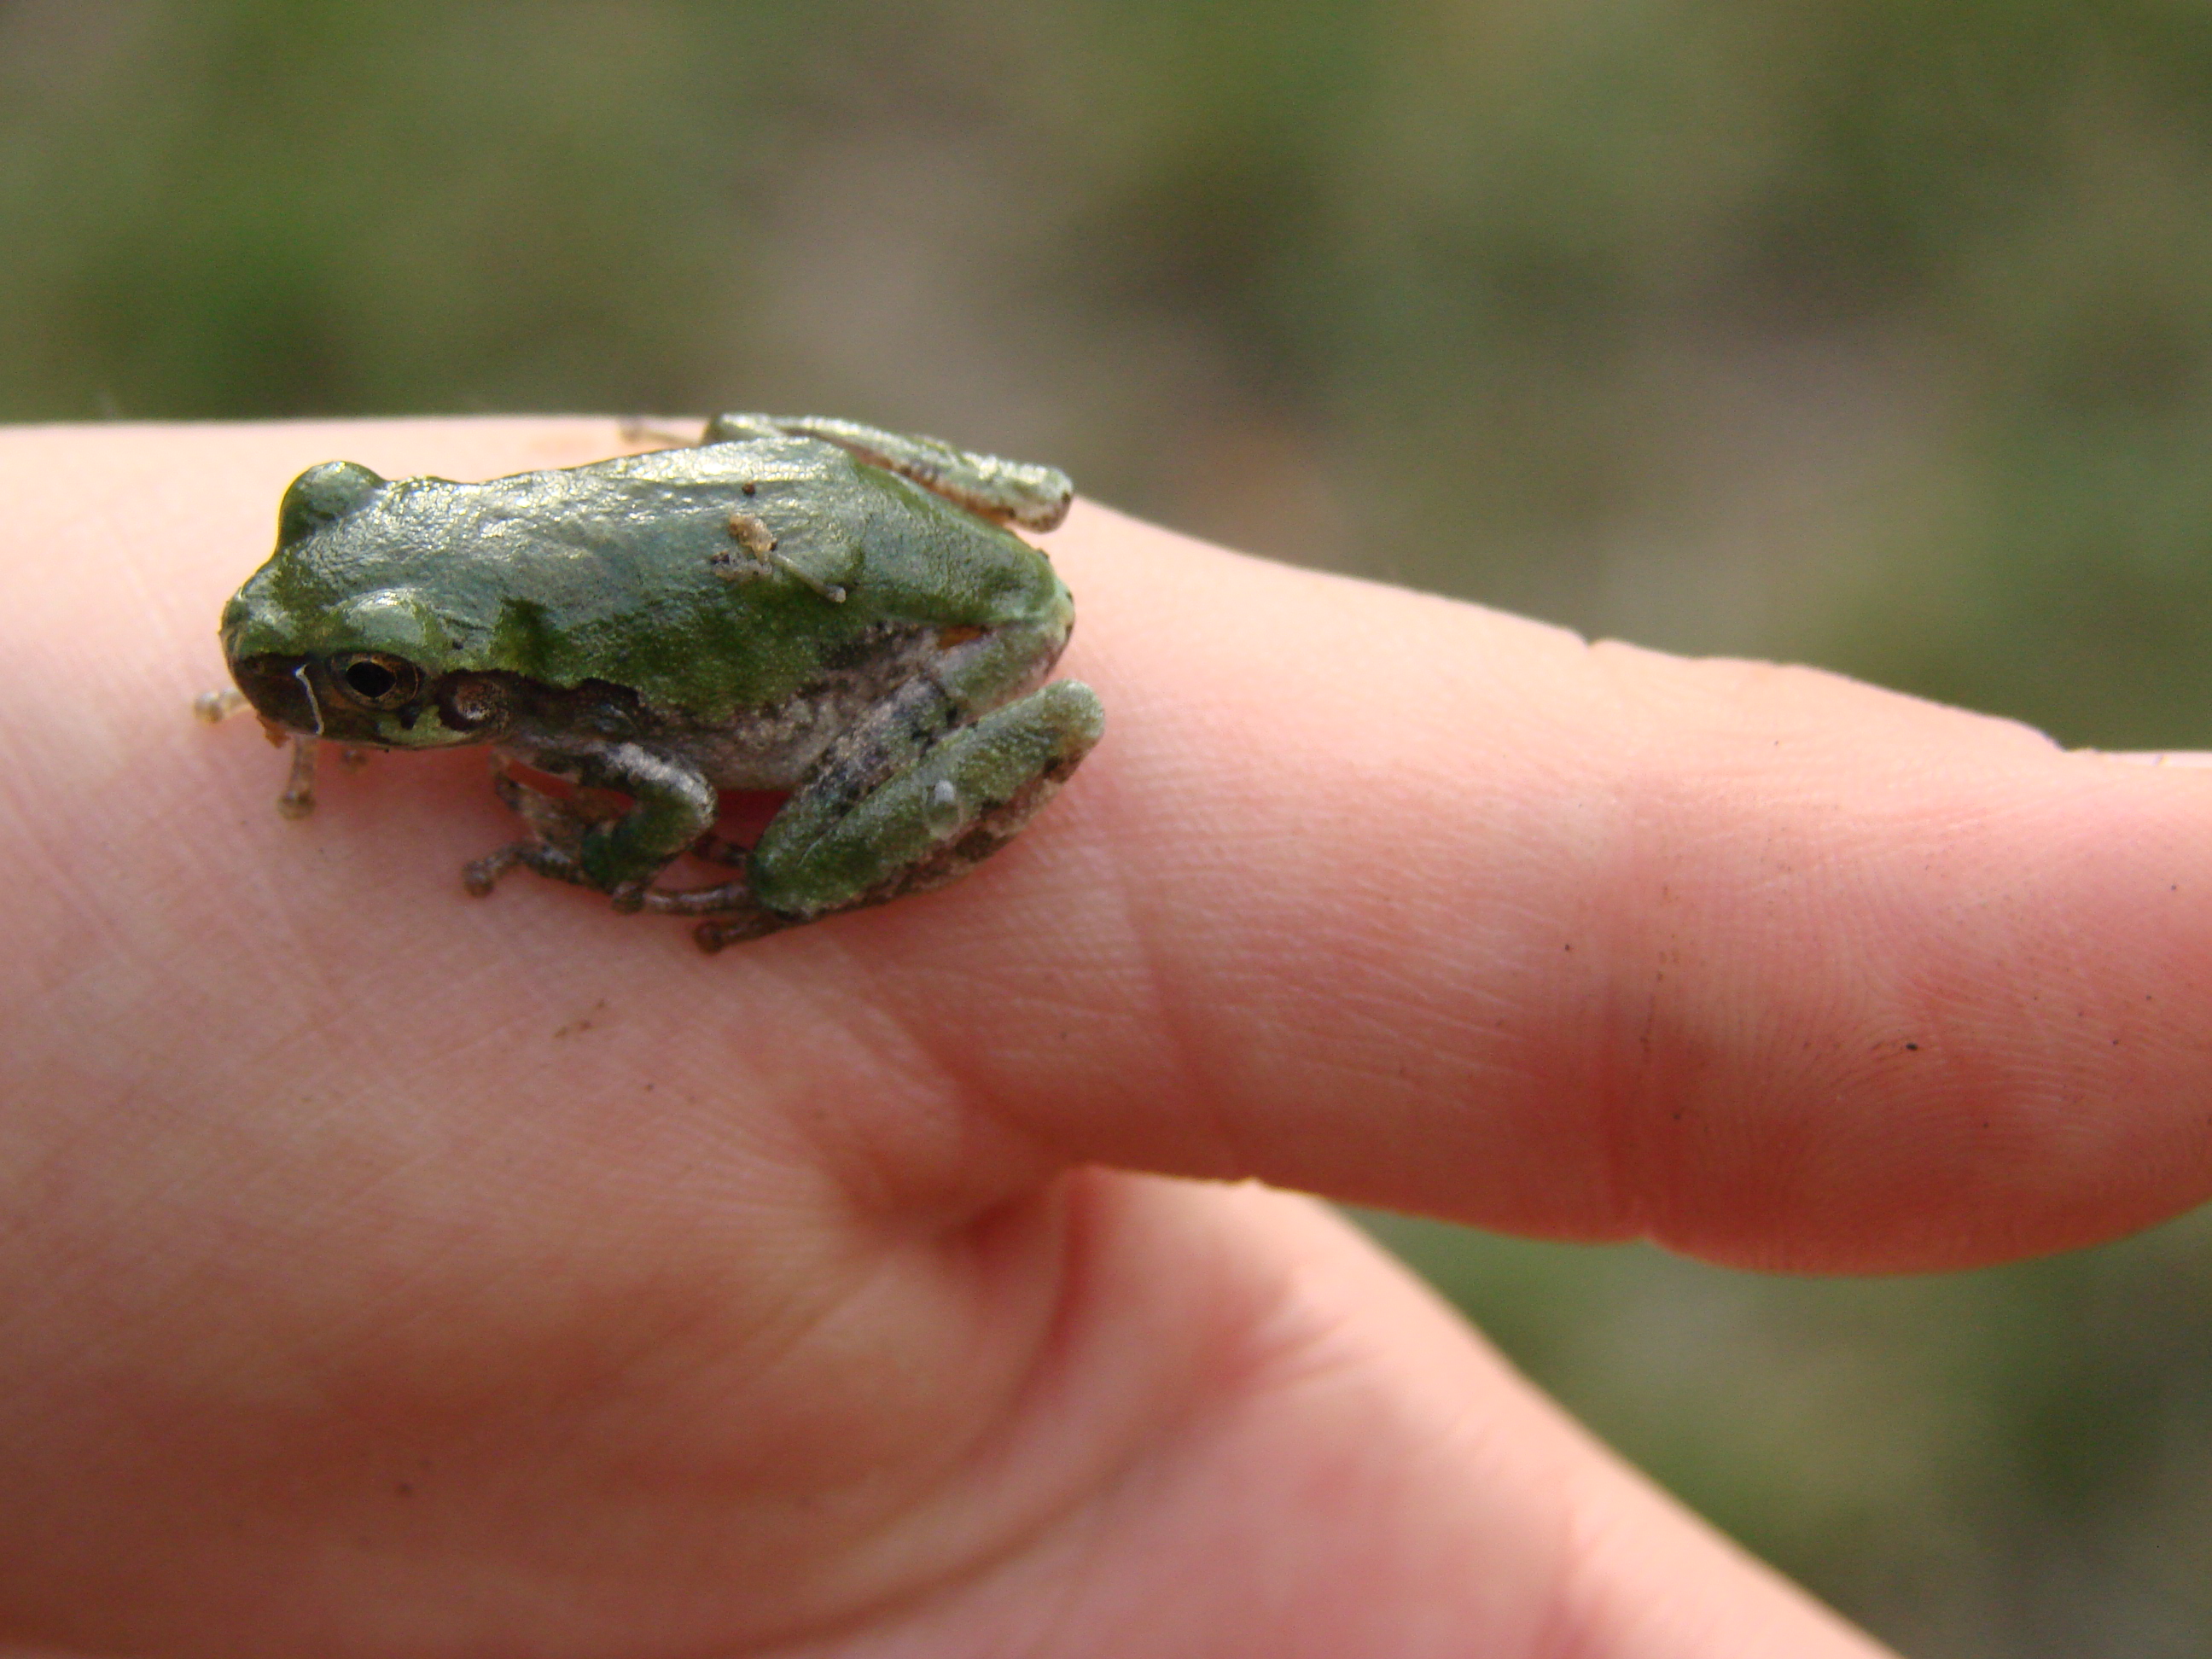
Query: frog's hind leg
[859,833]
[1016,492]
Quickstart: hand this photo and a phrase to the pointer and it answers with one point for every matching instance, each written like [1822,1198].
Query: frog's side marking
[792,604]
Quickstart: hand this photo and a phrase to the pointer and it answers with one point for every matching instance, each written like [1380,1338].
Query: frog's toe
[482,875]
[217,707]
[711,936]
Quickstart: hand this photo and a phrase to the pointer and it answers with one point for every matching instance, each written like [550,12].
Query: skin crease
[385,1273]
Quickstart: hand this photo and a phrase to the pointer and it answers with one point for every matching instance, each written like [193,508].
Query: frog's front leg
[673,804]
[299,797]
[556,828]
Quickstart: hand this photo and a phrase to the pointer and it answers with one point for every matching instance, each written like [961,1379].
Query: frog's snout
[281,691]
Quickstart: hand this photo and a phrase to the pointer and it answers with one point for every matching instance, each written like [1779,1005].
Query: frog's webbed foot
[557,826]
[481,875]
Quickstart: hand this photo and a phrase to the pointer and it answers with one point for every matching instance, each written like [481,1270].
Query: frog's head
[322,642]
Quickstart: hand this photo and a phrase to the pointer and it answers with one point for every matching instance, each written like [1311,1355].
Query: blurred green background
[1876,332]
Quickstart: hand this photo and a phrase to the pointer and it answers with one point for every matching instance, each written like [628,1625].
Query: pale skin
[385,1272]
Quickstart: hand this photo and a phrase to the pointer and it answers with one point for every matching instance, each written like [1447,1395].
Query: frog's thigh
[921,827]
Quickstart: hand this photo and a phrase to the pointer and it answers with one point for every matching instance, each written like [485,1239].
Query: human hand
[388,1273]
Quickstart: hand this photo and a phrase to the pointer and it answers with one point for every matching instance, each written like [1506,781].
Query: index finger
[1371,894]
[1589,941]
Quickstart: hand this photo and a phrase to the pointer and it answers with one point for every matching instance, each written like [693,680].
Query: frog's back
[711,579]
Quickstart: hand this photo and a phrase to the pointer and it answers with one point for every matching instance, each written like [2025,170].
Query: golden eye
[376,679]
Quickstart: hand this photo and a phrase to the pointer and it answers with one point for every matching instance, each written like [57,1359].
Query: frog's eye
[377,679]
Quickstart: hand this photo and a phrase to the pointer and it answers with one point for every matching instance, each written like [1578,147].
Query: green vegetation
[1874,331]
[2006,1463]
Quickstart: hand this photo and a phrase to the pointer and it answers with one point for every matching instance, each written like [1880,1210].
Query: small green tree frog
[791,604]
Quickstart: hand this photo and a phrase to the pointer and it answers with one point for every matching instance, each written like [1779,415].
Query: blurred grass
[1871,332]
[2006,1462]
